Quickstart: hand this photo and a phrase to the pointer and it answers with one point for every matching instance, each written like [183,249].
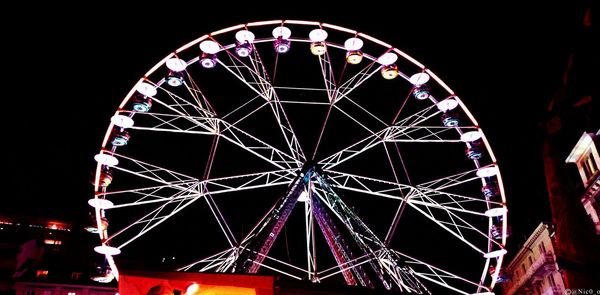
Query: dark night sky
[68,69]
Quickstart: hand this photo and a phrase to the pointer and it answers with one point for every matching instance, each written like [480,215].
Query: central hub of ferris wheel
[363,259]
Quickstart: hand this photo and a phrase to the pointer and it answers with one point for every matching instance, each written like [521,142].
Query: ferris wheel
[307,150]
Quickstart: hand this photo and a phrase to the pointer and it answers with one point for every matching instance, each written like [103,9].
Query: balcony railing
[537,271]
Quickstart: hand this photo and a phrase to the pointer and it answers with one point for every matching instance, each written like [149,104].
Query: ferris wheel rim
[294,161]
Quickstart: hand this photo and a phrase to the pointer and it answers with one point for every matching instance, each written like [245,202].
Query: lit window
[72,293]
[52,242]
[41,274]
[56,226]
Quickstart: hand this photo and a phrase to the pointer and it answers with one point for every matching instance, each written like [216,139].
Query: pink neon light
[339,28]
[190,44]
[462,106]
[408,57]
[113,266]
[159,64]
[268,22]
[226,30]
[302,22]
[375,40]
[131,92]
[435,77]
[496,272]
[487,146]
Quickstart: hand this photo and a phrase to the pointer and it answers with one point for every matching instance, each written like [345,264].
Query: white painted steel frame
[193,115]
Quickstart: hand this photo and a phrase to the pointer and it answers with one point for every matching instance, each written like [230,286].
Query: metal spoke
[255,76]
[407,193]
[405,130]
[417,198]
[175,123]
[258,147]
[439,276]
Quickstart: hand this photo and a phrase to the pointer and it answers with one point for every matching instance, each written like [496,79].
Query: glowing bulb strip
[437,79]
[113,266]
[268,22]
[496,272]
[375,40]
[226,30]
[495,254]
[158,65]
[186,46]
[467,112]
[301,22]
[339,28]
[409,58]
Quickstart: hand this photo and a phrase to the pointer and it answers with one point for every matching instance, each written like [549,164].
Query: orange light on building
[53,225]
[52,242]
[140,283]
[41,274]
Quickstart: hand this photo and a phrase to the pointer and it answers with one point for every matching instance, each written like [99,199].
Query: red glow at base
[139,283]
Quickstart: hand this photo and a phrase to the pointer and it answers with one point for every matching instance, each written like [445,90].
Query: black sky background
[67,67]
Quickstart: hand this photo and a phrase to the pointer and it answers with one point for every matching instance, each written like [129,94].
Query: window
[41,274]
[542,248]
[530,260]
[551,280]
[30,292]
[589,165]
[76,276]
[523,267]
[52,242]
[71,293]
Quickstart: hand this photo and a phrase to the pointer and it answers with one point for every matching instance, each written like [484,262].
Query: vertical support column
[311,261]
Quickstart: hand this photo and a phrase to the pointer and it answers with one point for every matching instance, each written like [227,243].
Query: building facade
[574,110]
[586,159]
[48,257]
[40,288]
[534,269]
